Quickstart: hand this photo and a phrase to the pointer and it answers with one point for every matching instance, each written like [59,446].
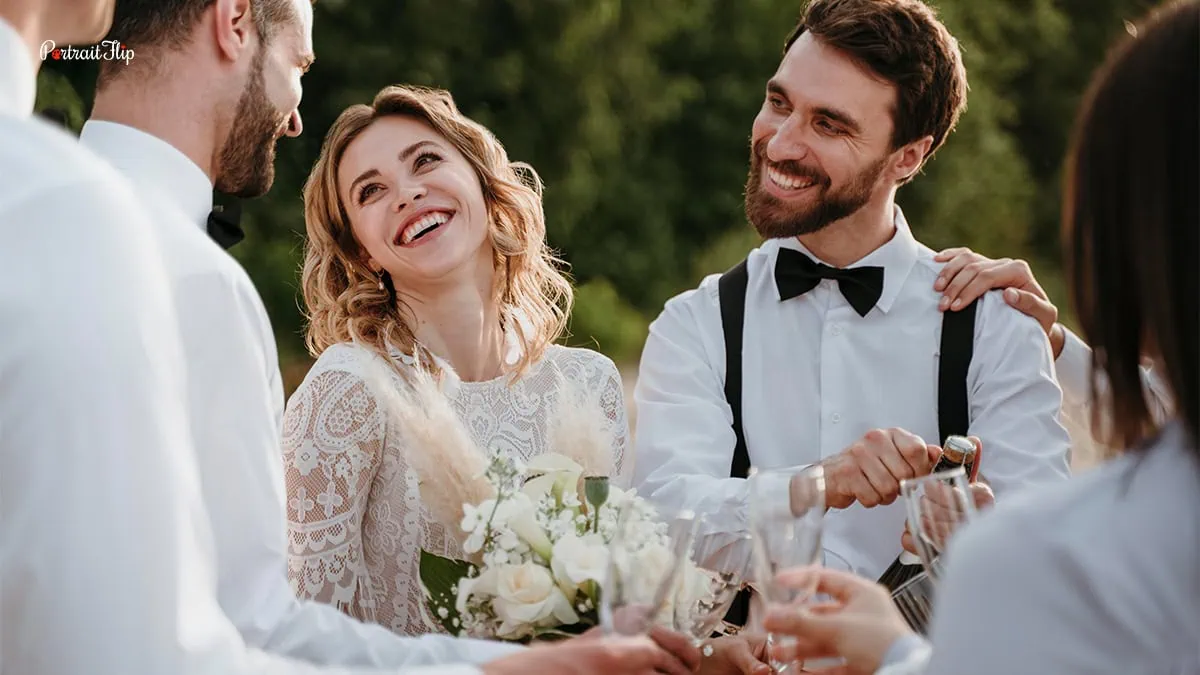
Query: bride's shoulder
[349,361]
[580,362]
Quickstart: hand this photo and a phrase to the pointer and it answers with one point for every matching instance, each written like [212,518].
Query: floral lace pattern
[356,521]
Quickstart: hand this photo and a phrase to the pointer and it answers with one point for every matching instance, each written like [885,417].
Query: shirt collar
[18,74]
[896,257]
[150,162]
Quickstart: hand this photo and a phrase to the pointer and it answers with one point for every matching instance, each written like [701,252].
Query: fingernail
[956,304]
[939,284]
[944,303]
[1010,296]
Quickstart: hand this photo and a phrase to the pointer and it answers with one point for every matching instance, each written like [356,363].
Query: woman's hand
[737,655]
[859,624]
[968,275]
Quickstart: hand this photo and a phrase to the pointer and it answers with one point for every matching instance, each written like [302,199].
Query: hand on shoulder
[967,275]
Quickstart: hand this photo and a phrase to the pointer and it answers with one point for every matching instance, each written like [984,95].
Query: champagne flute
[787,509]
[937,505]
[706,591]
[643,571]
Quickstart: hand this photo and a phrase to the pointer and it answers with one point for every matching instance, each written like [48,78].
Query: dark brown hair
[1130,221]
[164,24]
[903,43]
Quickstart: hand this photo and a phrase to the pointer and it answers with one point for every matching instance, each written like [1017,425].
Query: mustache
[788,166]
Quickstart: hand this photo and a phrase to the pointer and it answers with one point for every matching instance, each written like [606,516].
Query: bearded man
[826,345]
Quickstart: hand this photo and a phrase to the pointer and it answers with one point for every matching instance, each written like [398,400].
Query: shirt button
[836,417]
[837,329]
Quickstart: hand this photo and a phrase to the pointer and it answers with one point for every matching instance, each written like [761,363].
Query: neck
[460,321]
[851,239]
[29,20]
[169,108]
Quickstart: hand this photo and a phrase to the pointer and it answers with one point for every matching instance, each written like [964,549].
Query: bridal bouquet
[543,542]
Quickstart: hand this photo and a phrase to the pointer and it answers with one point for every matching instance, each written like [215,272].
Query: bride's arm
[604,380]
[332,445]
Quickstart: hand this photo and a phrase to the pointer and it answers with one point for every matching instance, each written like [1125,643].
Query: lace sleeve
[333,441]
[613,398]
[604,380]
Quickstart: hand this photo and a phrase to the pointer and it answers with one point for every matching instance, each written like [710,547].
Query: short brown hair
[163,24]
[1131,218]
[903,43]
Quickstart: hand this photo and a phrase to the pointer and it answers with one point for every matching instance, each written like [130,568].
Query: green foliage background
[637,113]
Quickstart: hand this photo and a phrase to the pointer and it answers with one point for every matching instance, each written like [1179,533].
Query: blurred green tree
[636,113]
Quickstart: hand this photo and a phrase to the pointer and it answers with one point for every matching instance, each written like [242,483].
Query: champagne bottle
[956,451]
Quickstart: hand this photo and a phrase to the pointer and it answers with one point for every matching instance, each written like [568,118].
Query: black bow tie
[224,224]
[797,274]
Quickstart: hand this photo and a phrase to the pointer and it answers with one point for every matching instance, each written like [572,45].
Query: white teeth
[787,182]
[426,223]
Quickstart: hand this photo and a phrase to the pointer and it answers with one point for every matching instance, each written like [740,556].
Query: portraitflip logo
[109,50]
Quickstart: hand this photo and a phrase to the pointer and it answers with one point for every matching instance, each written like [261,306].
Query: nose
[788,143]
[407,196]
[295,125]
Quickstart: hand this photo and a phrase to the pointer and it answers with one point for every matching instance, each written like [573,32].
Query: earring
[381,286]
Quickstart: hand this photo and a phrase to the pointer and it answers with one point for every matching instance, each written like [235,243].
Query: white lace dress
[355,516]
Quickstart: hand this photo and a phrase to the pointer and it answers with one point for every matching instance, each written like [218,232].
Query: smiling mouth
[422,226]
[787,181]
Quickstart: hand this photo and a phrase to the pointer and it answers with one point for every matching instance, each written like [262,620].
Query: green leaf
[439,578]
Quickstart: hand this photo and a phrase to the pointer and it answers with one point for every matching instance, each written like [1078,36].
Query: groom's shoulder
[702,304]
[51,158]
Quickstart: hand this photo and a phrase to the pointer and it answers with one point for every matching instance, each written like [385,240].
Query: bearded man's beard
[247,159]
[774,218]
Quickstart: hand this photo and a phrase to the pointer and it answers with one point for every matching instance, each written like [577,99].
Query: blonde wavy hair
[343,298]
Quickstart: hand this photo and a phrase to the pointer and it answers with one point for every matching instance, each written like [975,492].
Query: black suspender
[957,348]
[731,289]
[958,345]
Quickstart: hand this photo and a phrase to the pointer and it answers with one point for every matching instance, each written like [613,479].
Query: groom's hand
[869,472]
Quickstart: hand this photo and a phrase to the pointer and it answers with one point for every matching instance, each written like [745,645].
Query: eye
[426,159]
[776,102]
[828,128]
[366,191]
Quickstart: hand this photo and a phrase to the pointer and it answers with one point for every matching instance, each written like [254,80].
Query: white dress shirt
[106,565]
[817,376]
[1100,576]
[235,402]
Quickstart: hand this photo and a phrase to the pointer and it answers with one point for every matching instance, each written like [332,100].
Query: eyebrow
[840,116]
[412,149]
[369,173]
[404,155]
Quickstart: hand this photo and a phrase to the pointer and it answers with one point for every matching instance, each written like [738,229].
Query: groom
[826,346]
[214,86]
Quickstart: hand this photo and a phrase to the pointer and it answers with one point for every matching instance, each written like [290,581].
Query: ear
[233,28]
[910,158]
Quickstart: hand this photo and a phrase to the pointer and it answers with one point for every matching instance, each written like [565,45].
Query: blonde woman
[427,261]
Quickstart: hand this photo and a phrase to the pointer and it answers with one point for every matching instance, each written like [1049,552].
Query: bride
[434,306]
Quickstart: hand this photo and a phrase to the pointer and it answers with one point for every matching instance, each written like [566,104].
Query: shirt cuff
[442,670]
[1074,369]
[903,649]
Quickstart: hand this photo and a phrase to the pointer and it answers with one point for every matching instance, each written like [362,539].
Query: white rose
[577,560]
[522,520]
[527,597]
